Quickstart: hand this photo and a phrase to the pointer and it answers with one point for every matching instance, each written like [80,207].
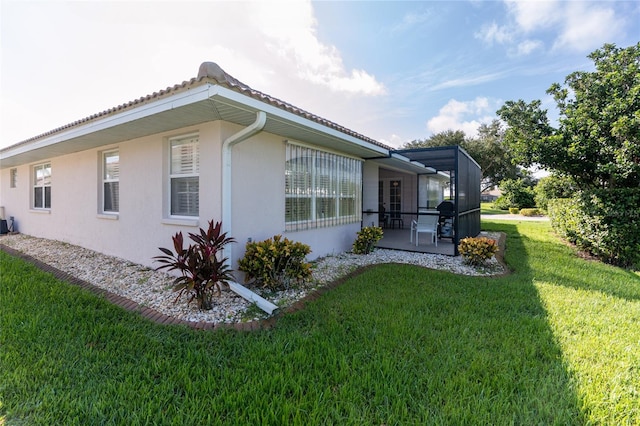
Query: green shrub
[552,187]
[276,263]
[604,222]
[202,269]
[515,193]
[501,203]
[367,239]
[530,212]
[514,210]
[476,251]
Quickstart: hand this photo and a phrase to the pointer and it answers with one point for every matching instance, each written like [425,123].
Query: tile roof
[209,72]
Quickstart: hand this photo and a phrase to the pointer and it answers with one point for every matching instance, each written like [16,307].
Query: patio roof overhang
[440,159]
[402,163]
[200,103]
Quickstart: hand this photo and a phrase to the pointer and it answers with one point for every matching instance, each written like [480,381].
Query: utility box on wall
[4,229]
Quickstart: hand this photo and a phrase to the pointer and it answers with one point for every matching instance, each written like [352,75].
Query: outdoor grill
[445,221]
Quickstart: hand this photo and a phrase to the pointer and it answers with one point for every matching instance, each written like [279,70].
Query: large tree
[597,141]
[488,149]
[446,138]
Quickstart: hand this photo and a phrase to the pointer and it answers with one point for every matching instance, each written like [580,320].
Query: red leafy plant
[201,265]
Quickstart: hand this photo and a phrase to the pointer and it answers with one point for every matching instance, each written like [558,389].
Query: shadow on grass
[396,344]
[401,344]
[560,264]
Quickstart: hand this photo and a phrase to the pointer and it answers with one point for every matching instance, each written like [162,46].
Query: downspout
[227,148]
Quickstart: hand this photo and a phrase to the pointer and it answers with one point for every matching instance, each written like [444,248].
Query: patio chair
[426,224]
[383,217]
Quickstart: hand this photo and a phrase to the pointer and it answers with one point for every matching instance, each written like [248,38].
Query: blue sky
[394,71]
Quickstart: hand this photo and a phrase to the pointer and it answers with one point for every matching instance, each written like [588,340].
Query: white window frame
[109,180]
[41,183]
[327,191]
[189,174]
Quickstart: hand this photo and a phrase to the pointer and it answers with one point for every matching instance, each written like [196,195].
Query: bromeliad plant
[201,265]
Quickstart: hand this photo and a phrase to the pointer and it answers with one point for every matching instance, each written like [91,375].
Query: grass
[556,342]
[488,209]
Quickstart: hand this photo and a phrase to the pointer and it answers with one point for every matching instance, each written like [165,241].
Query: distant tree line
[488,149]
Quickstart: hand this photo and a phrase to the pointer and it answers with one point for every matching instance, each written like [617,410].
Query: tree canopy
[488,149]
[597,142]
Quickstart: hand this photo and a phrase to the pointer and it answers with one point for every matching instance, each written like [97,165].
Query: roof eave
[117,125]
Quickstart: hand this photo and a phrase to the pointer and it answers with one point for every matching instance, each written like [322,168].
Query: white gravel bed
[154,289]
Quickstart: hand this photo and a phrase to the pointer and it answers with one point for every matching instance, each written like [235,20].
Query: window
[321,189]
[13,178]
[184,169]
[111,182]
[42,186]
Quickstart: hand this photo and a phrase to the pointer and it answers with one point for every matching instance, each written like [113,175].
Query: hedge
[604,222]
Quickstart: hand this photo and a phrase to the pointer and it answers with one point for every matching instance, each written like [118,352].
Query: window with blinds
[184,176]
[111,182]
[321,188]
[42,186]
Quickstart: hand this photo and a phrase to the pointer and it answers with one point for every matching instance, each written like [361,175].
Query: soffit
[83,137]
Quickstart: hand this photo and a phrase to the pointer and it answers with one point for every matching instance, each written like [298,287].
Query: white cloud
[130,49]
[527,46]
[493,33]
[575,25]
[469,81]
[290,33]
[411,20]
[587,26]
[533,15]
[464,115]
[395,141]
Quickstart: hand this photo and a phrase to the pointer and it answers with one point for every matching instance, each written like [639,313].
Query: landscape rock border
[256,324]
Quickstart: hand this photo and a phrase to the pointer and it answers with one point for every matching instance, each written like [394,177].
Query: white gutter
[233,98]
[227,148]
[110,120]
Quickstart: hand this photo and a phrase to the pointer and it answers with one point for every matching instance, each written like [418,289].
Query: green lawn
[556,342]
[487,208]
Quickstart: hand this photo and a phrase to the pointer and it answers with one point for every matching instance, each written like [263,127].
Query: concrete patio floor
[398,239]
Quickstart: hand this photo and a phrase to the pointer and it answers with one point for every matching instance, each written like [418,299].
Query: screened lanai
[448,187]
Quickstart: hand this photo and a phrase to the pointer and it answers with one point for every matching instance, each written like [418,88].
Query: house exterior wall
[143,224]
[370,172]
[409,187]
[257,192]
[13,198]
[258,200]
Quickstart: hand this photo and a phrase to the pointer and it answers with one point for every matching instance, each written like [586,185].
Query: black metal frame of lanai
[464,183]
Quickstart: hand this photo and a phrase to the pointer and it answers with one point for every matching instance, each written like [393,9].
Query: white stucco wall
[259,207]
[142,224]
[409,187]
[14,199]
[370,172]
